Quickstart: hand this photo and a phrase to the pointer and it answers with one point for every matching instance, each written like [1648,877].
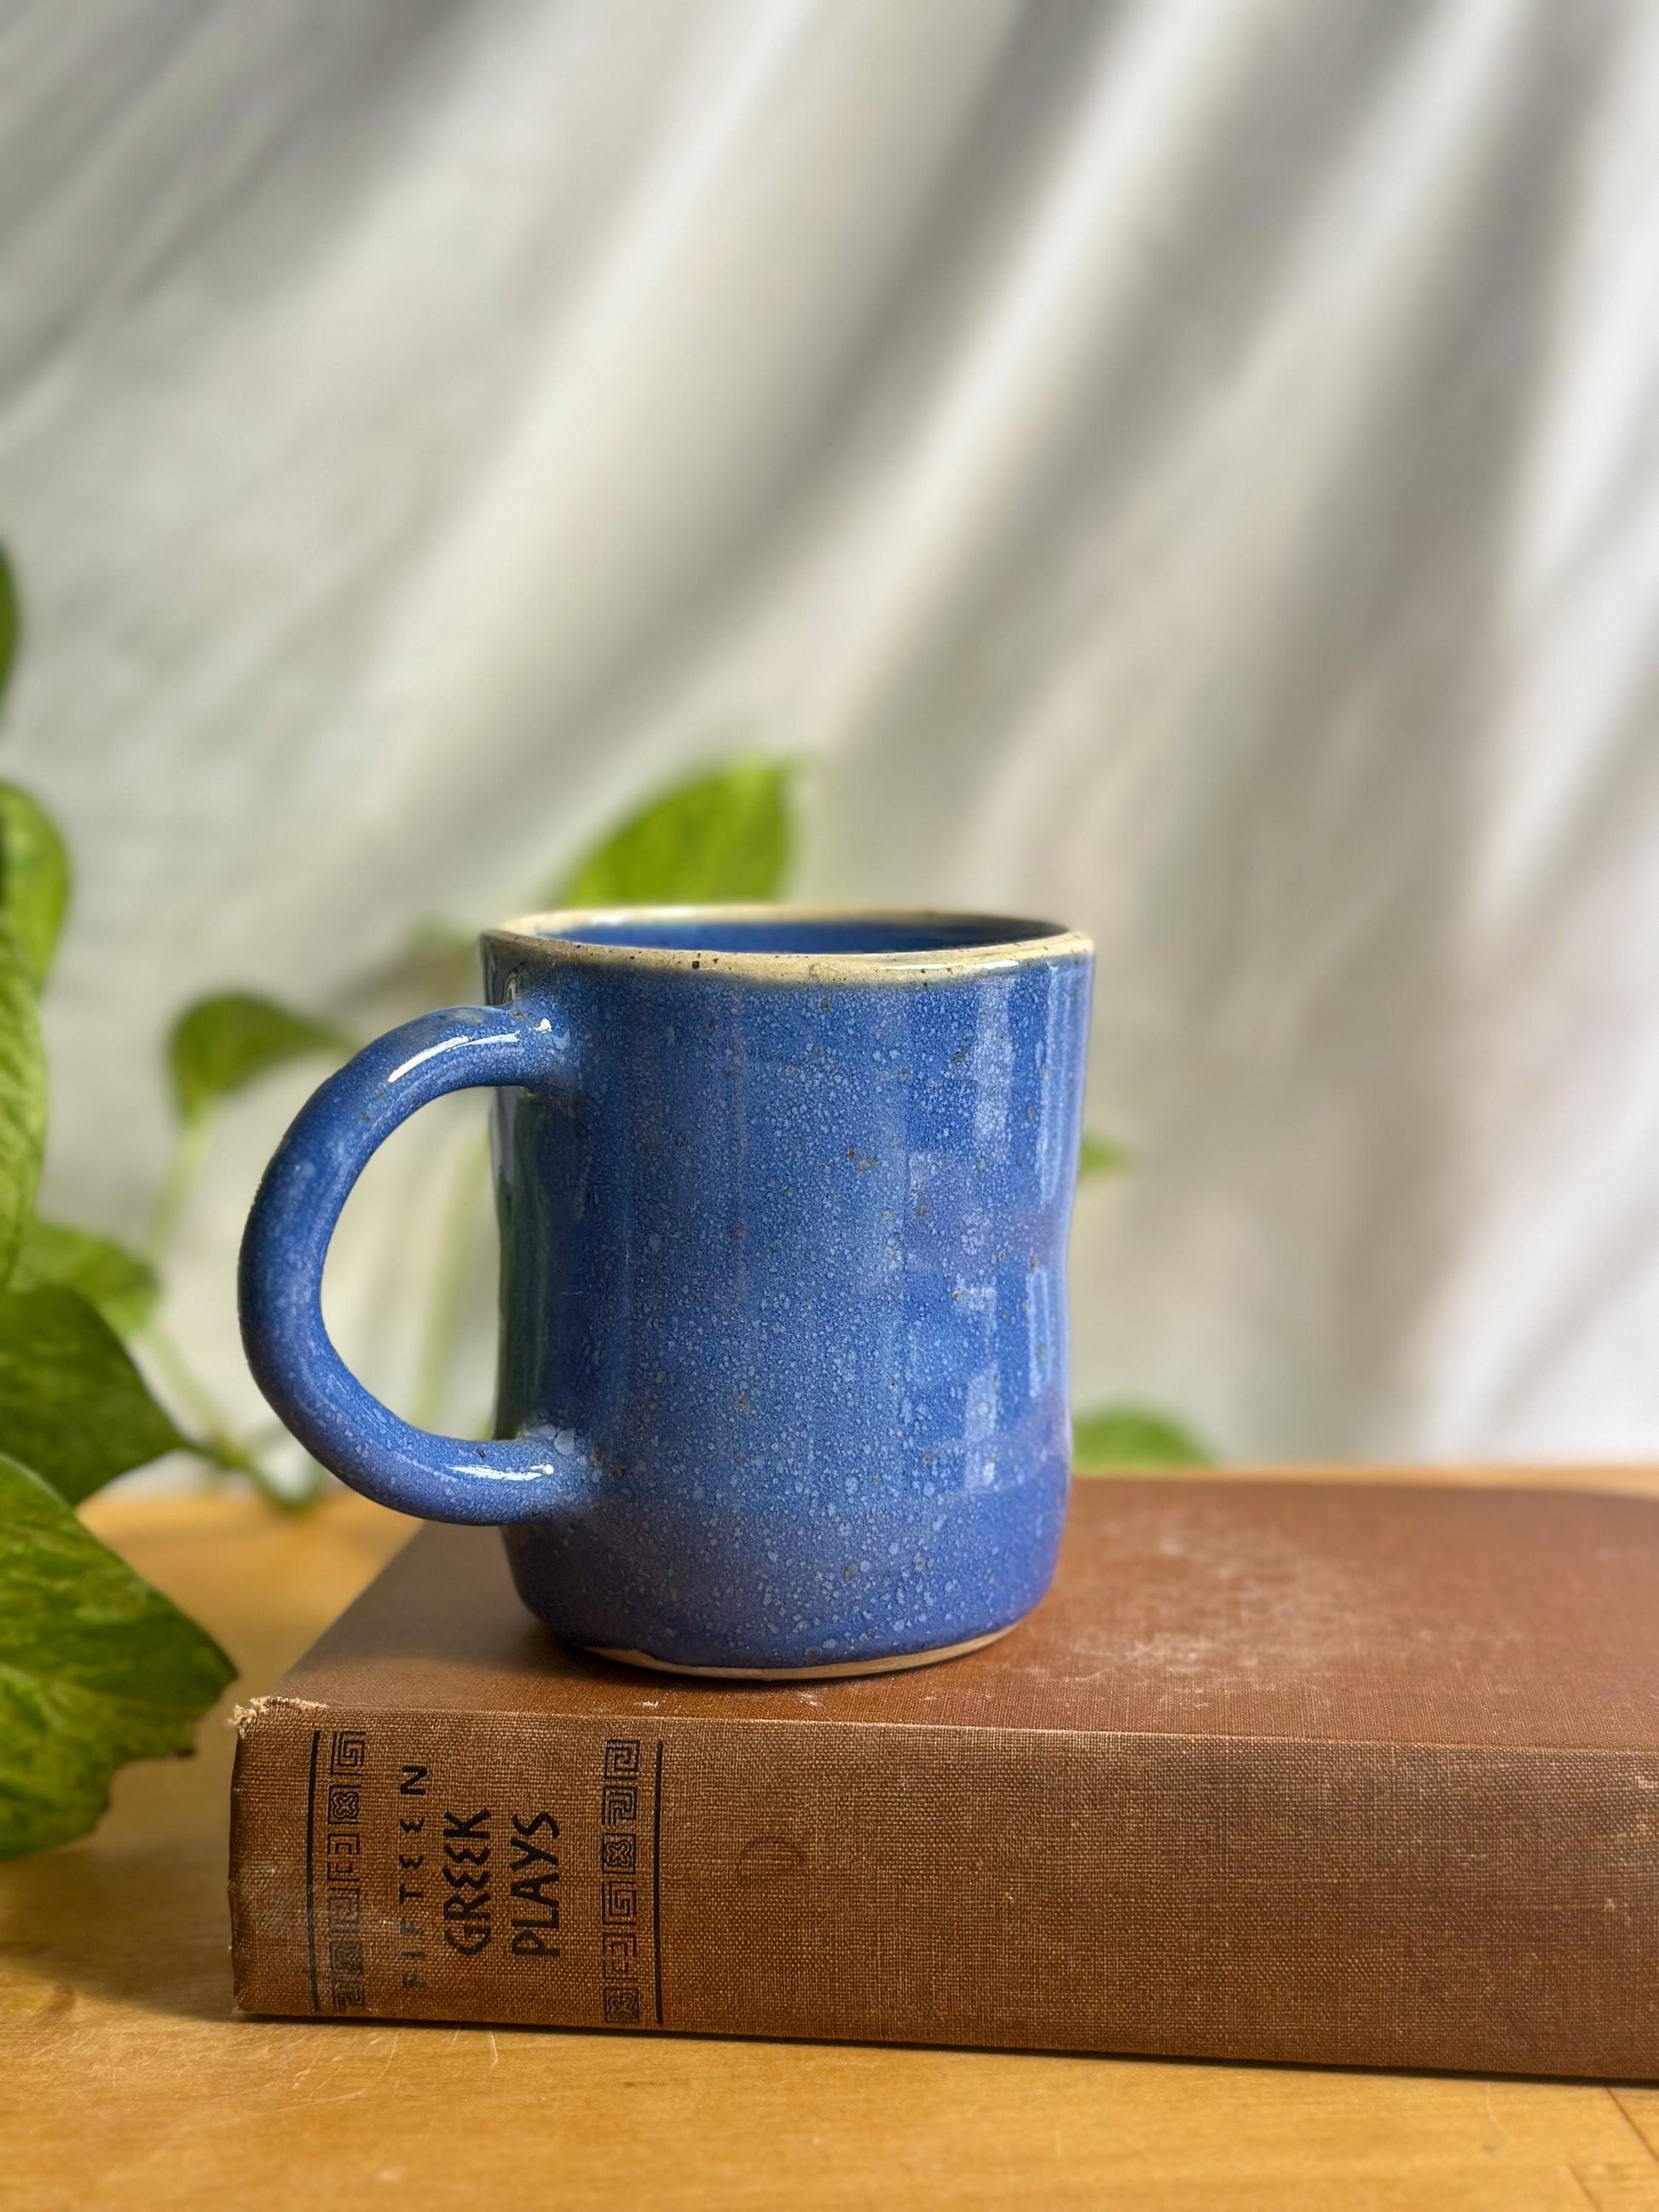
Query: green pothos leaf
[117,1282]
[222,1044]
[96,1668]
[22,1098]
[728,834]
[34,878]
[72,1405]
[11,622]
[1100,1156]
[1108,1437]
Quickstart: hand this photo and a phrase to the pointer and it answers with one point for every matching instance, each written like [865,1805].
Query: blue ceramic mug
[783,1198]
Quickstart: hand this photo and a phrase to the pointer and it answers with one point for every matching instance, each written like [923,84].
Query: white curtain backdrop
[1189,467]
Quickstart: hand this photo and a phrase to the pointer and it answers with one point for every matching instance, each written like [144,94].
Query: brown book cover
[1352,1775]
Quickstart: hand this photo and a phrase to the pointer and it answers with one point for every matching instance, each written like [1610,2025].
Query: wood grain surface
[126,2079]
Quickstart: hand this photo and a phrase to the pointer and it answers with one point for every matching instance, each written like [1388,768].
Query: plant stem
[188,1156]
[216,1442]
[227,1455]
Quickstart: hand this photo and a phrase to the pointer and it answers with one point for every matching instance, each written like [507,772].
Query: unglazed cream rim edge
[1026,941]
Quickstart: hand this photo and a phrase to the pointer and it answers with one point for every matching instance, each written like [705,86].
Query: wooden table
[126,2079]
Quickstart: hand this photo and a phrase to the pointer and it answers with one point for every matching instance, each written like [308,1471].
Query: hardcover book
[1357,1775]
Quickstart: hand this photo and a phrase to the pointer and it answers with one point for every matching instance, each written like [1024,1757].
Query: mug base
[828,1670]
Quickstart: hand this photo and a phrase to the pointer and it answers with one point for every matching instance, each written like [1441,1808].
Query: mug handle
[280,1279]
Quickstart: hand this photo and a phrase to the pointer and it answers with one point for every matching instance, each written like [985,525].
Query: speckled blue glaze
[784,1201]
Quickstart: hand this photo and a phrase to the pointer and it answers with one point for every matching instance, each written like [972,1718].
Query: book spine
[1357,1905]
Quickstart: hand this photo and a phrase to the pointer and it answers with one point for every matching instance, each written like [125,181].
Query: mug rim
[1017,941]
